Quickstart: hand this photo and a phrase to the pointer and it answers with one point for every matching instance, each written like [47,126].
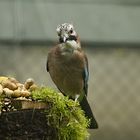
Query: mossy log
[44,115]
[26,124]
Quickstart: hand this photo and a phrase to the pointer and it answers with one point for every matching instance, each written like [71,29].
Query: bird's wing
[47,63]
[86,76]
[47,66]
[49,57]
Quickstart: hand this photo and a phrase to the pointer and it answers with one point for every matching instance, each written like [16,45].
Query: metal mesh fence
[114,84]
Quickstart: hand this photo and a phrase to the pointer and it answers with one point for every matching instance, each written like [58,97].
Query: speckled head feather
[64,27]
[66,32]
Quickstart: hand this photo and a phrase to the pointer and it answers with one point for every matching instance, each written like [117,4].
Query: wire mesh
[114,83]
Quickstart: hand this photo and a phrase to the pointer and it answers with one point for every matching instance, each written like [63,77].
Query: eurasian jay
[68,68]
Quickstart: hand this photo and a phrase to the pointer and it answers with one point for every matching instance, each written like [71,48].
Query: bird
[67,65]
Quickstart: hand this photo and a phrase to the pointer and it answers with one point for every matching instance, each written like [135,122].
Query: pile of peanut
[10,87]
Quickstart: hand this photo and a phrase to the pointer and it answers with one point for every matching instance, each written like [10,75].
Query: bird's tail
[88,113]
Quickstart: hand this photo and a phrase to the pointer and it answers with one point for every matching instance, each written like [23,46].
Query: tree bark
[29,124]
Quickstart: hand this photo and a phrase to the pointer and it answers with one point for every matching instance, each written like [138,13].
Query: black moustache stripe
[61,40]
[72,38]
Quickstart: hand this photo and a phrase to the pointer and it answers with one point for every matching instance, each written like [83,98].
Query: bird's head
[66,33]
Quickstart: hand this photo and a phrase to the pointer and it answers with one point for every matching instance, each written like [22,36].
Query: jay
[68,68]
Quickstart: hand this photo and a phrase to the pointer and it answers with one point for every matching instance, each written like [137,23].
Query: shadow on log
[28,124]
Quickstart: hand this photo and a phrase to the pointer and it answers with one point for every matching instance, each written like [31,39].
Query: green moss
[64,115]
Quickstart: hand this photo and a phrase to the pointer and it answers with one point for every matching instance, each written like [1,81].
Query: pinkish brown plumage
[68,68]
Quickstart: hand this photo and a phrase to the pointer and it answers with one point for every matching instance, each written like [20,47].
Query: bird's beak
[65,36]
[64,39]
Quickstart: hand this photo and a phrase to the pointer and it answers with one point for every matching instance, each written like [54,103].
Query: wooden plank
[27,104]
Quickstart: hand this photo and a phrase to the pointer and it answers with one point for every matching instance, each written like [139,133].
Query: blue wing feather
[86,77]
